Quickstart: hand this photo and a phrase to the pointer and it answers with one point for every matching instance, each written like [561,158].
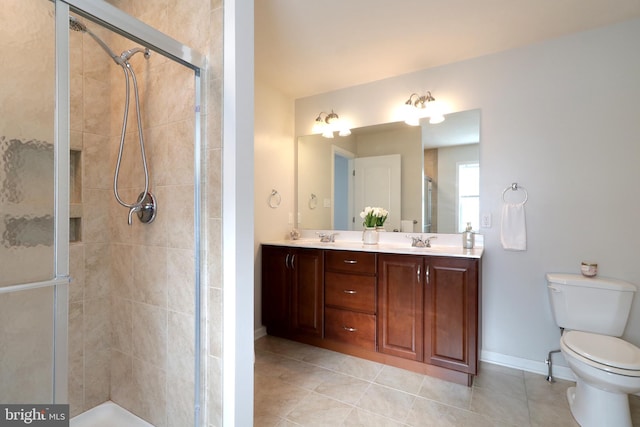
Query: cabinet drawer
[350,291]
[350,327]
[351,262]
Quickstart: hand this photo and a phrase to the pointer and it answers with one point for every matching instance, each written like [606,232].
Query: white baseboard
[259,333]
[559,371]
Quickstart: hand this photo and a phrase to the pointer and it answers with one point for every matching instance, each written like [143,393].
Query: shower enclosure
[95,307]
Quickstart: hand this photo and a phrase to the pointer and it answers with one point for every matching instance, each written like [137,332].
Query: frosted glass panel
[26,141]
[26,346]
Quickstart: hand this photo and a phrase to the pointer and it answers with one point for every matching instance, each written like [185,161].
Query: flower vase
[370,236]
[380,228]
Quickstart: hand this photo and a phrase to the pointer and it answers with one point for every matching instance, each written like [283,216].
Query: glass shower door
[28,284]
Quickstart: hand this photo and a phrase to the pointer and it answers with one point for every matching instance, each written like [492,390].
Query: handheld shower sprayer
[146,206]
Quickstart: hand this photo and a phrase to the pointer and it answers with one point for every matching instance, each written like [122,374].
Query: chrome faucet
[327,237]
[421,241]
[132,210]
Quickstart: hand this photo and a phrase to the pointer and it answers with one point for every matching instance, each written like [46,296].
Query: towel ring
[313,201]
[516,187]
[274,199]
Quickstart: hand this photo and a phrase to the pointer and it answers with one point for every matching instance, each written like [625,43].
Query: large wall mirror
[425,176]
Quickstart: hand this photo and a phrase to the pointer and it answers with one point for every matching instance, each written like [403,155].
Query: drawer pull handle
[349,329]
[350,261]
[350,291]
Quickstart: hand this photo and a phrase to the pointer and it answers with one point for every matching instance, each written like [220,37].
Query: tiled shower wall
[131,310]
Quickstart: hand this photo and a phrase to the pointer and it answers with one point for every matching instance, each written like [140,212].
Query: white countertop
[389,242]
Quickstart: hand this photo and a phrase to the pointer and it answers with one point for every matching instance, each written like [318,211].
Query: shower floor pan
[108,414]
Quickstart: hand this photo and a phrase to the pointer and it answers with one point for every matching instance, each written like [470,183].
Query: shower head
[76,25]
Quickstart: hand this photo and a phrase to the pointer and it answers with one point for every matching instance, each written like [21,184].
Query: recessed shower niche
[75,195]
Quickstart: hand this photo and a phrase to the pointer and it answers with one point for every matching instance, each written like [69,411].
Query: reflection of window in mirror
[468,195]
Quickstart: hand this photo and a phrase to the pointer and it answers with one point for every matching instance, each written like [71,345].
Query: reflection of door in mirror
[378,184]
[342,189]
[428,207]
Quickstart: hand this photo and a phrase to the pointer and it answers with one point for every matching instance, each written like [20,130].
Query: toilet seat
[604,352]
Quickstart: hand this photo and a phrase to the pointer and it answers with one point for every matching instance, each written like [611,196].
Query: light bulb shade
[328,133]
[318,126]
[414,120]
[345,131]
[411,114]
[422,107]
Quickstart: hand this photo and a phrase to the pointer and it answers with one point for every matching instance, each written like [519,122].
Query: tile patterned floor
[301,385]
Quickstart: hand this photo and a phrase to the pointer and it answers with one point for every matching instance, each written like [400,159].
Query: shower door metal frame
[130,27]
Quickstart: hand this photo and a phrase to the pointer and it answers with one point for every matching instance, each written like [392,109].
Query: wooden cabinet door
[400,306]
[307,292]
[276,292]
[451,313]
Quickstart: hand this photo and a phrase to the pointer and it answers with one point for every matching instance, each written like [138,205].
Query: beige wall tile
[179,216]
[150,334]
[96,155]
[76,271]
[214,252]
[180,402]
[180,152]
[156,143]
[215,322]
[150,275]
[214,182]
[149,393]
[95,215]
[76,94]
[122,270]
[181,280]
[96,377]
[97,325]
[96,112]
[214,391]
[181,348]
[97,274]
[121,324]
[122,379]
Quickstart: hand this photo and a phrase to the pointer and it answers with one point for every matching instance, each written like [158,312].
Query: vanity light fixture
[329,124]
[418,107]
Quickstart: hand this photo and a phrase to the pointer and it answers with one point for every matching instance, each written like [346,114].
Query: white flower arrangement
[374,217]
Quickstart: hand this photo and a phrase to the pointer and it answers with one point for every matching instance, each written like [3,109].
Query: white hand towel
[513,232]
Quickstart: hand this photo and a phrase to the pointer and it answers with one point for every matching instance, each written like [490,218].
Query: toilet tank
[590,304]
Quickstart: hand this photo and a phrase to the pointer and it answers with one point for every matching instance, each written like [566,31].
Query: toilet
[593,313]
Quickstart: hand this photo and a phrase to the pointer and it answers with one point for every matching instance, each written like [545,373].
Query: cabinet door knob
[350,291]
[350,261]
[349,329]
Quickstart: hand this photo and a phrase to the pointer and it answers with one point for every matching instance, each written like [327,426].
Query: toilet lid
[604,349]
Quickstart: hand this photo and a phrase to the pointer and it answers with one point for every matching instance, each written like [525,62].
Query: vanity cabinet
[292,291]
[418,312]
[401,305]
[350,298]
[451,312]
